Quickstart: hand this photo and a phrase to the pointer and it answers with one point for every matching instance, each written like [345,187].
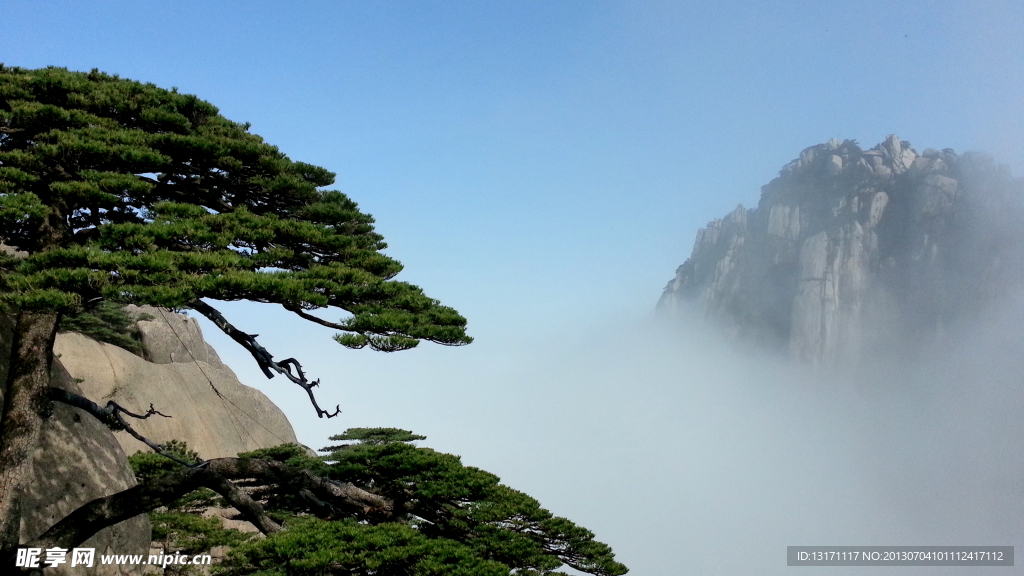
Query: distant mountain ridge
[849,249]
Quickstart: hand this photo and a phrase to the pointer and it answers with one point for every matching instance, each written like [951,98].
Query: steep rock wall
[77,460]
[182,377]
[849,250]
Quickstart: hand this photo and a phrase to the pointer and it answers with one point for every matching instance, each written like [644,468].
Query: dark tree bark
[290,367]
[25,402]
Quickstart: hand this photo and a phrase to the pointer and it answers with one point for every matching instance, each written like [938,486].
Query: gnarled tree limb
[78,526]
[111,415]
[215,474]
[264,358]
[344,496]
[307,316]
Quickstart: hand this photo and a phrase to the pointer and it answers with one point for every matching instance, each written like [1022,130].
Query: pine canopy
[135,194]
[116,192]
[453,519]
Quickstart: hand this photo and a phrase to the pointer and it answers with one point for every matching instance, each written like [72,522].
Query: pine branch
[307,316]
[111,415]
[81,524]
[264,358]
[216,474]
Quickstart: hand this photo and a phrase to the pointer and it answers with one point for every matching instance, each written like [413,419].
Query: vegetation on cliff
[446,518]
[118,191]
[105,322]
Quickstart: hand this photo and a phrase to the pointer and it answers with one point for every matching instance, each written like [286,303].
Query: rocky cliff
[182,376]
[850,250]
[79,459]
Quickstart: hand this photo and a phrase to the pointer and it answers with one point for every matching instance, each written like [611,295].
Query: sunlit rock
[850,249]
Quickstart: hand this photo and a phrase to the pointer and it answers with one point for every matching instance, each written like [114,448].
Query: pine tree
[124,192]
[445,517]
[121,192]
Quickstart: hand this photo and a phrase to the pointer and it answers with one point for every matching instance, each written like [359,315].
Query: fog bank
[691,456]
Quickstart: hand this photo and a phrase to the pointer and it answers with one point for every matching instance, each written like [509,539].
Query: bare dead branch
[111,415]
[289,367]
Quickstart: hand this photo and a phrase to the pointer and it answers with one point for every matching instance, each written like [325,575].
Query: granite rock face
[182,377]
[851,249]
[77,460]
[169,338]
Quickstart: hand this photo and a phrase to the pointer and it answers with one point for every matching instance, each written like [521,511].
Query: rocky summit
[851,250]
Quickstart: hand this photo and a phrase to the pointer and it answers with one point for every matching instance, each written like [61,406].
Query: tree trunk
[25,399]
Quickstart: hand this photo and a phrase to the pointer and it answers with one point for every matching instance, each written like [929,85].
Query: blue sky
[543,167]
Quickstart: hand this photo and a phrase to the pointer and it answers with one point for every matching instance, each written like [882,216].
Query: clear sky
[543,168]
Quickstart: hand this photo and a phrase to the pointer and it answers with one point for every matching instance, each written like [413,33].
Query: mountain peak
[849,249]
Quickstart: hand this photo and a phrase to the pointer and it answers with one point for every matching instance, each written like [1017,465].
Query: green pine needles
[453,519]
[448,520]
[135,194]
[106,322]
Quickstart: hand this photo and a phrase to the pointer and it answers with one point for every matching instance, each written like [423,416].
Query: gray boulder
[209,408]
[76,461]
